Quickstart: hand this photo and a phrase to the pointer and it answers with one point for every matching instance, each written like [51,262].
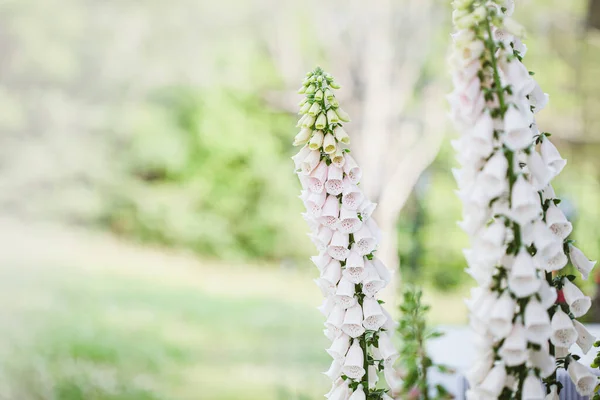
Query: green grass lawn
[112,330]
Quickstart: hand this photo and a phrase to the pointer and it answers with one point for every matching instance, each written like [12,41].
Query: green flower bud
[329,144]
[341,135]
[302,102]
[343,115]
[314,109]
[334,85]
[301,121]
[310,90]
[319,95]
[329,95]
[316,141]
[308,121]
[321,121]
[304,109]
[302,137]
[334,103]
[302,90]
[332,117]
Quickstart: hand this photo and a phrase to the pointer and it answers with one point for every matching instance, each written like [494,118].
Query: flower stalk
[346,237]
[519,236]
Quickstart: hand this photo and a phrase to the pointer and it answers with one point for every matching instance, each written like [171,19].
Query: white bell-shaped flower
[548,294]
[493,176]
[533,389]
[353,320]
[366,208]
[553,395]
[393,379]
[581,262]
[542,360]
[563,331]
[579,304]
[541,173]
[390,325]
[335,320]
[349,221]
[355,267]
[373,314]
[314,203]
[373,375]
[518,134]
[364,240]
[335,180]
[317,178]
[490,244]
[330,212]
[584,380]
[338,247]
[561,352]
[585,340]
[327,305]
[552,157]
[557,222]
[344,294]
[359,393]
[353,365]
[338,158]
[310,162]
[480,369]
[517,74]
[372,283]
[525,202]
[321,238]
[493,384]
[321,260]
[339,347]
[330,277]
[538,98]
[546,243]
[523,280]
[500,322]
[388,351]
[374,228]
[334,371]
[553,262]
[352,169]
[352,196]
[384,273]
[300,157]
[537,322]
[514,348]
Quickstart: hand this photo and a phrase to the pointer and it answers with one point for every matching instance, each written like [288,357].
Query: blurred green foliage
[210,171]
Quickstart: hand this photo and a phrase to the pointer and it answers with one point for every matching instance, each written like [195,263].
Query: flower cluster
[339,215]
[523,311]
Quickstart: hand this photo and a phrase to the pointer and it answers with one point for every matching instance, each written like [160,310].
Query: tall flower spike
[504,180]
[346,236]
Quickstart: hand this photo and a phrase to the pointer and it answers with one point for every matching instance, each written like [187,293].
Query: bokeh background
[151,244]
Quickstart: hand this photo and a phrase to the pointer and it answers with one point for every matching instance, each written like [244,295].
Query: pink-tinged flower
[334,184]
[352,169]
[364,240]
[344,295]
[349,221]
[373,314]
[355,267]
[310,162]
[352,195]
[353,319]
[330,212]
[317,178]
[557,222]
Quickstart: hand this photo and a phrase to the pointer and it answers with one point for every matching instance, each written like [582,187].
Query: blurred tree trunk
[379,55]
